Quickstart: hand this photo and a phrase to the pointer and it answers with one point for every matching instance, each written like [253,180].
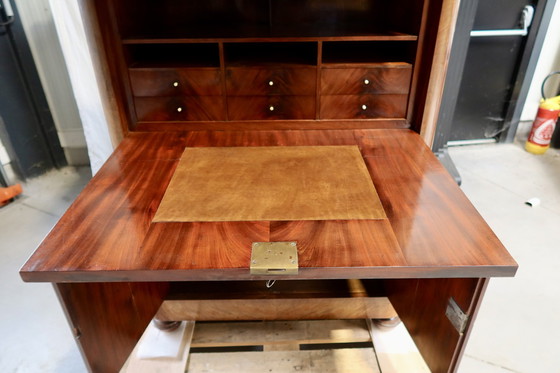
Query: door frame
[524,75]
[43,125]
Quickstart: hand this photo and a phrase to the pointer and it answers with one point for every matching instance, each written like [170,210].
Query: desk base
[108,319]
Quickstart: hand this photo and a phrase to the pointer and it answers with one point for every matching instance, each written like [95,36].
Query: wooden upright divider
[306,124]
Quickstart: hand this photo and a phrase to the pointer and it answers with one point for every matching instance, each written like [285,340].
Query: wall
[549,61]
[38,23]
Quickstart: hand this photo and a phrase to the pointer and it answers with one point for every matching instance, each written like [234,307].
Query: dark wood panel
[394,78]
[363,106]
[176,82]
[270,81]
[256,19]
[421,305]
[271,107]
[199,108]
[107,319]
[101,237]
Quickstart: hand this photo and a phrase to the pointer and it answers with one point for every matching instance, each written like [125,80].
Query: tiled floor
[517,328]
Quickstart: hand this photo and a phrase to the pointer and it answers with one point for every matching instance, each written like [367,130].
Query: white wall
[38,24]
[549,61]
[83,78]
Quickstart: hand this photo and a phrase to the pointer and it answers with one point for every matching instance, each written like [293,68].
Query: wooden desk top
[108,235]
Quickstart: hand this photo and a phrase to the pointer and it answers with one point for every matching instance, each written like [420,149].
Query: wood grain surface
[272,107]
[252,81]
[176,82]
[285,300]
[103,235]
[270,183]
[363,106]
[421,305]
[392,78]
[107,319]
[176,108]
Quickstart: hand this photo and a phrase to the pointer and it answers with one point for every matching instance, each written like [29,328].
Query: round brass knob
[175,84]
[271,108]
[364,107]
[271,83]
[366,82]
[179,109]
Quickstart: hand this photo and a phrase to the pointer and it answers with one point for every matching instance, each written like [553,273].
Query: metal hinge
[455,314]
[274,258]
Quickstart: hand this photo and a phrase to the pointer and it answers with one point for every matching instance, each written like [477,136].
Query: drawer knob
[179,109]
[364,107]
[366,82]
[271,83]
[175,84]
[271,108]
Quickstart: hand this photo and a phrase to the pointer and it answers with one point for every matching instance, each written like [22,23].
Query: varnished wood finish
[257,81]
[271,107]
[300,124]
[326,249]
[180,108]
[107,319]
[449,13]
[391,78]
[363,106]
[449,220]
[176,82]
[421,305]
[102,236]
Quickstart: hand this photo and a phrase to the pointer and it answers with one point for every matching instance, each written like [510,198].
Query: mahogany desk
[111,279]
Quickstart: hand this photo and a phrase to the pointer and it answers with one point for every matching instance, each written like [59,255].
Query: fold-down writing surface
[270,183]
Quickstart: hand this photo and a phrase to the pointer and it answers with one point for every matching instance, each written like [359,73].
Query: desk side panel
[422,303]
[108,319]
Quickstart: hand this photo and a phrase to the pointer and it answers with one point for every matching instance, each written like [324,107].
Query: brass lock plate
[274,258]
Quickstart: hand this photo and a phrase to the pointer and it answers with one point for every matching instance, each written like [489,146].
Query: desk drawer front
[176,82]
[271,81]
[363,106]
[200,108]
[358,81]
[272,107]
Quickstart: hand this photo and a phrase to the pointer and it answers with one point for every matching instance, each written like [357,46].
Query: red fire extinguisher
[543,126]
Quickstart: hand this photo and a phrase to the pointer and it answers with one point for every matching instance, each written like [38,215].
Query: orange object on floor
[6,194]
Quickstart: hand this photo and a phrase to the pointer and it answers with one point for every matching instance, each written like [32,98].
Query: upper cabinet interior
[268,64]
[231,19]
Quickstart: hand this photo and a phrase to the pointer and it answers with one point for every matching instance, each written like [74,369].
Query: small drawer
[363,106]
[241,81]
[176,82]
[271,107]
[359,81]
[197,108]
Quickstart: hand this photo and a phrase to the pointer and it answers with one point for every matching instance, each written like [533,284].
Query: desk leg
[108,319]
[421,305]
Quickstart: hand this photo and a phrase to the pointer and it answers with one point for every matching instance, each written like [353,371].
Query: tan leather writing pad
[270,183]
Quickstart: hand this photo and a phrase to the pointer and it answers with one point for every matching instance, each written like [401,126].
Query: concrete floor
[517,327]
